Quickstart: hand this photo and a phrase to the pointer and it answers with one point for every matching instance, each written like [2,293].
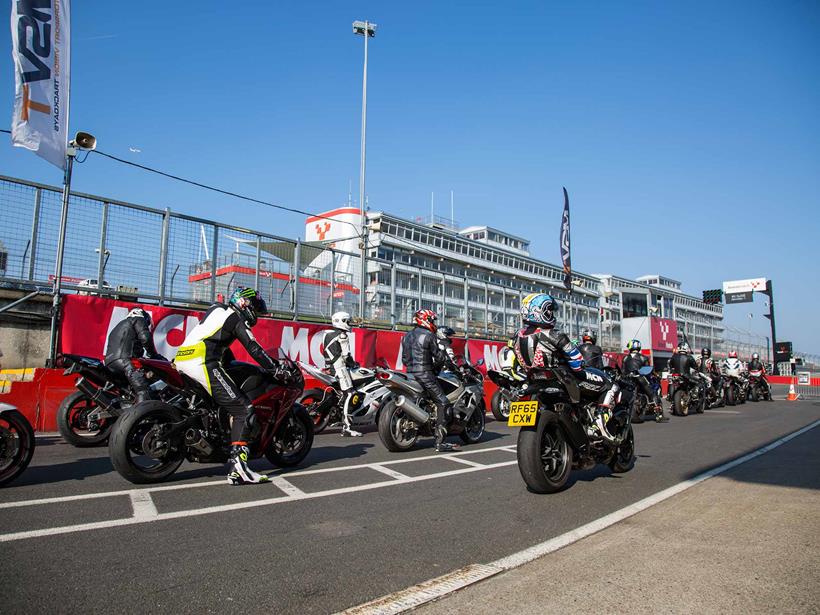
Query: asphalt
[330,549]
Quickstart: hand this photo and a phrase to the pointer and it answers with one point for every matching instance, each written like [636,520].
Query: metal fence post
[297,259]
[393,295]
[163,254]
[35,223]
[101,261]
[332,282]
[258,263]
[418,273]
[443,297]
[504,310]
[486,309]
[466,305]
[214,256]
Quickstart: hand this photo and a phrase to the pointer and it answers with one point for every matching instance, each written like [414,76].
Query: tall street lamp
[366,30]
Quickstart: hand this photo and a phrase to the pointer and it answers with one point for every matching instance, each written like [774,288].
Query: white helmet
[341,321]
[140,313]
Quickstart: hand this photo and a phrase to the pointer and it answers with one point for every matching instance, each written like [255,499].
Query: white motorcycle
[323,404]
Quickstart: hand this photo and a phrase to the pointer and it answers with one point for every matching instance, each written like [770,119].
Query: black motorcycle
[509,390]
[16,443]
[85,418]
[640,402]
[685,395]
[408,413]
[558,432]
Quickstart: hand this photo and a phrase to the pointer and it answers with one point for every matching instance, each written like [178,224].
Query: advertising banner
[746,297]
[41,51]
[664,334]
[564,240]
[744,286]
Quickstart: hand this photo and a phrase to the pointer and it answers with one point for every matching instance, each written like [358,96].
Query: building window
[634,305]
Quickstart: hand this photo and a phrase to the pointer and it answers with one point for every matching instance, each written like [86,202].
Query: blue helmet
[539,309]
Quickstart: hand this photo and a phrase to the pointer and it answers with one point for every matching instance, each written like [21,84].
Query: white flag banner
[41,48]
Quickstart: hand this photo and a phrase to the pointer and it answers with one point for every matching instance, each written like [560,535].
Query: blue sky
[687,134]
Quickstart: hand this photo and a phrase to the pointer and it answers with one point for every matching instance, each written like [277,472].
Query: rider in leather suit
[682,363]
[339,358]
[592,353]
[708,367]
[633,362]
[130,339]
[422,357]
[539,345]
[444,337]
[202,357]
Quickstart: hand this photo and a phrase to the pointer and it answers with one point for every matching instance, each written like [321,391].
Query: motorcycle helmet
[426,319]
[733,354]
[340,321]
[706,352]
[633,346]
[140,313]
[683,348]
[445,333]
[539,309]
[755,356]
[248,304]
[588,337]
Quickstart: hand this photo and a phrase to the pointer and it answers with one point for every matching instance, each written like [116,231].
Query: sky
[687,134]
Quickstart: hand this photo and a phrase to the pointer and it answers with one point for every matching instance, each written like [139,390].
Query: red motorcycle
[758,386]
[152,439]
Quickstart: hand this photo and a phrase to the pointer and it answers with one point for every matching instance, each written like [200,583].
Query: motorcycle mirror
[480,362]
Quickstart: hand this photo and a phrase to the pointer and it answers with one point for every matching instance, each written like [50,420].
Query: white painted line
[510,449]
[723,411]
[415,596]
[289,488]
[211,483]
[83,527]
[466,462]
[143,505]
[389,472]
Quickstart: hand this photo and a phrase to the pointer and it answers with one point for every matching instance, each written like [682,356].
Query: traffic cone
[792,396]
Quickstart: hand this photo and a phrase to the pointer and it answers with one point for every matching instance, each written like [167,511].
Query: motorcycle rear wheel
[624,459]
[293,440]
[72,422]
[500,406]
[730,396]
[753,394]
[319,416]
[16,445]
[135,430]
[544,455]
[390,432]
[680,403]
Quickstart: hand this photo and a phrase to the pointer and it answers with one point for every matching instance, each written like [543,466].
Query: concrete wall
[24,332]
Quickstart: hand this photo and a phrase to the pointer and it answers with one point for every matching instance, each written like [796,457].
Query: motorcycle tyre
[730,396]
[68,434]
[386,434]
[24,452]
[479,412]
[753,394]
[119,449]
[495,407]
[619,464]
[529,455]
[316,395]
[677,404]
[287,460]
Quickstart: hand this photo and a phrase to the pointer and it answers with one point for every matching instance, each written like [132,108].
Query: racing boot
[602,416]
[441,445]
[240,473]
[347,430]
[659,417]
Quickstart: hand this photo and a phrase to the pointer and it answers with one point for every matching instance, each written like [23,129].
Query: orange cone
[792,396]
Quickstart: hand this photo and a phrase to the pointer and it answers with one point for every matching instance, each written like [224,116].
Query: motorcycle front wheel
[138,448]
[293,440]
[397,431]
[474,428]
[73,422]
[544,455]
[16,445]
[500,405]
[624,458]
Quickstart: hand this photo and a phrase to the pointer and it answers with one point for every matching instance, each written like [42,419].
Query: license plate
[523,414]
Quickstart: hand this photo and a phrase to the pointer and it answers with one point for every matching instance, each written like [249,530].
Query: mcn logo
[322,230]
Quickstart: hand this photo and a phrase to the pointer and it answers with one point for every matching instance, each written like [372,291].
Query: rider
[202,357]
[538,344]
[592,353]
[444,338]
[421,355]
[682,363]
[338,356]
[757,365]
[130,339]
[509,362]
[707,366]
[633,362]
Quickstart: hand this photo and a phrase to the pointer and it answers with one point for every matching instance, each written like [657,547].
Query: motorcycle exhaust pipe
[100,397]
[411,409]
[195,440]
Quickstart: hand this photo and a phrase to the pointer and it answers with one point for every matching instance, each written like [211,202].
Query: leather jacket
[537,348]
[633,362]
[682,364]
[593,355]
[420,351]
[130,339]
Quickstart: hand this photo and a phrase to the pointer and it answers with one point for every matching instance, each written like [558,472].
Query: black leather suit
[593,355]
[423,357]
[633,362]
[131,339]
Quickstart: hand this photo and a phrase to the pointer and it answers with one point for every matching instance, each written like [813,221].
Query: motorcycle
[735,388]
[685,395]
[85,418]
[16,443]
[640,403]
[758,386]
[322,404]
[558,432]
[408,413]
[151,440]
[509,390]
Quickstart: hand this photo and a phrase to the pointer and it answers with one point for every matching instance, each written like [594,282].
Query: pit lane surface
[348,526]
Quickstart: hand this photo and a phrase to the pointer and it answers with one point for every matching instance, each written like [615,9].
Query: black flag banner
[565,257]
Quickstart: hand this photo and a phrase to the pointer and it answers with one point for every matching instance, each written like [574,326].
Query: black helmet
[445,333]
[706,352]
[248,303]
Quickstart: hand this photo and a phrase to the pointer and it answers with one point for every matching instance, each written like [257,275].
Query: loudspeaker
[84,140]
